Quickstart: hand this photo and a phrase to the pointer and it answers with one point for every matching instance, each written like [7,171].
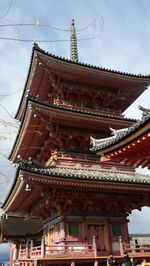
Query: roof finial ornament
[73,43]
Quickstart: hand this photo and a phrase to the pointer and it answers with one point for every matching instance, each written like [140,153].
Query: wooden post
[43,247]
[94,246]
[121,246]
[72,263]
[19,251]
[27,250]
[96,263]
[11,255]
[63,235]
[84,234]
[31,247]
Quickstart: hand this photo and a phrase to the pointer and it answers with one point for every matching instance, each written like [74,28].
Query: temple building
[130,146]
[70,200]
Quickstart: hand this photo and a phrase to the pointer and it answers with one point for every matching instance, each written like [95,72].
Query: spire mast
[73,43]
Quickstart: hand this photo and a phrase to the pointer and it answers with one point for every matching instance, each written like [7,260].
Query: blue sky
[122,43]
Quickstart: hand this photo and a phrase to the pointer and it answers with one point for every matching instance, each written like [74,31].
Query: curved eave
[67,117]
[20,200]
[17,227]
[83,111]
[71,113]
[14,192]
[23,101]
[21,133]
[142,130]
[91,74]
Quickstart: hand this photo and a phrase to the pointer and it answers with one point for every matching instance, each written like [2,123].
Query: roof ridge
[37,48]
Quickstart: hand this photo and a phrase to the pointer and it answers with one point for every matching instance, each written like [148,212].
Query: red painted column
[126,232]
[83,225]
[121,246]
[63,234]
[11,255]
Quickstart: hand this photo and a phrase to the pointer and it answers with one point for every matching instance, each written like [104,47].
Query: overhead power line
[9,94]
[37,24]
[8,10]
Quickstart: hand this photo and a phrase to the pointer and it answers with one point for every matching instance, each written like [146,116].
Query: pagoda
[66,206]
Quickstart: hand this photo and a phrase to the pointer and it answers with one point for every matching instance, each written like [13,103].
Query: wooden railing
[77,249]
[22,253]
[86,250]
[136,248]
[35,252]
[56,250]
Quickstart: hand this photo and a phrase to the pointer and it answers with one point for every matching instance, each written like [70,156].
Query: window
[73,229]
[116,229]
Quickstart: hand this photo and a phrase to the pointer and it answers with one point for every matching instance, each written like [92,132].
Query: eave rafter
[129,146]
[42,63]
[41,186]
[37,126]
[135,154]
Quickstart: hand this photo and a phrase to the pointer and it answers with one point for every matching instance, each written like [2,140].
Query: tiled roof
[98,144]
[79,110]
[85,174]
[36,47]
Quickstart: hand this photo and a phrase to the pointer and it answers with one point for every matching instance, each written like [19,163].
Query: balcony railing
[79,249]
[134,249]
[59,251]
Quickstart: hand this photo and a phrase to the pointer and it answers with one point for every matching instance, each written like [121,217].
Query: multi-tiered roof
[63,104]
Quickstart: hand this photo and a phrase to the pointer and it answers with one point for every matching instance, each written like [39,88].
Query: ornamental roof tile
[98,144]
[83,174]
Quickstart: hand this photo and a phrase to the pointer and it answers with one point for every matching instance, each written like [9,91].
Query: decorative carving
[57,201]
[56,89]
[72,94]
[52,159]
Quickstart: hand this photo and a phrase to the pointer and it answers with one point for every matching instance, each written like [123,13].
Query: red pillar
[121,246]
[63,235]
[11,255]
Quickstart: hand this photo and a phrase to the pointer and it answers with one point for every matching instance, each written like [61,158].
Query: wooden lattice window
[116,229]
[73,229]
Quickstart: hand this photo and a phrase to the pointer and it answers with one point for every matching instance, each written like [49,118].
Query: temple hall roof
[118,135]
[129,146]
[96,175]
[32,179]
